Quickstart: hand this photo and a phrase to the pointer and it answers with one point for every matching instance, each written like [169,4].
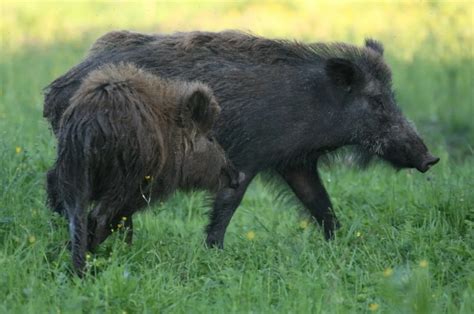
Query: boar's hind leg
[78,231]
[52,192]
[306,184]
[122,223]
[103,228]
[226,202]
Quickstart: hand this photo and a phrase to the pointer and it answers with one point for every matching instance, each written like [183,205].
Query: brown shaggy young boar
[127,139]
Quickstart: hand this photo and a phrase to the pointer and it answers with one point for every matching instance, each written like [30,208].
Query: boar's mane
[249,48]
[262,50]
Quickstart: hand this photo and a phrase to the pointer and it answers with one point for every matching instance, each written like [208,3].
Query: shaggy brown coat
[127,139]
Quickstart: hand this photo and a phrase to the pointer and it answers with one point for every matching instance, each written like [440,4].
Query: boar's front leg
[305,182]
[226,202]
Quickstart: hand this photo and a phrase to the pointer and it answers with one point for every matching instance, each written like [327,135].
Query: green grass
[406,245]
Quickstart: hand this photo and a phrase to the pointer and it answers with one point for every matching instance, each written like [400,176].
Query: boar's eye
[210,139]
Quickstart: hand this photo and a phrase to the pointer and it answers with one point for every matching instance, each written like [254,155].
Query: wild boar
[129,138]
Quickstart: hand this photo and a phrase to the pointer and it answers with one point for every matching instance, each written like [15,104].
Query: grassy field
[407,241]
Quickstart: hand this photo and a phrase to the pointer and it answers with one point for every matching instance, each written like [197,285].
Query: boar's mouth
[422,164]
[397,160]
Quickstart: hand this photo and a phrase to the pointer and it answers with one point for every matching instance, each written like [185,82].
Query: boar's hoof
[212,242]
[330,229]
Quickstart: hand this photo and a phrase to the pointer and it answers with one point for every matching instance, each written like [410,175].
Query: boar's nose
[427,163]
[234,177]
[237,180]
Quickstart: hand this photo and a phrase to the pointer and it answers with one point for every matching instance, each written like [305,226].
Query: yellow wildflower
[147,177]
[18,149]
[358,234]
[32,239]
[88,256]
[250,235]
[304,224]
[124,218]
[423,263]
[388,272]
[373,307]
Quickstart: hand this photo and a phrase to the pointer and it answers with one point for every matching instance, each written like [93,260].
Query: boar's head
[370,112]
[204,163]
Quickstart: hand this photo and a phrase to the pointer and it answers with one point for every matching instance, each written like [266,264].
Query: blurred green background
[407,241]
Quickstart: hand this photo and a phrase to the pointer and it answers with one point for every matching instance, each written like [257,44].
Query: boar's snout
[233,176]
[404,147]
[235,183]
[427,163]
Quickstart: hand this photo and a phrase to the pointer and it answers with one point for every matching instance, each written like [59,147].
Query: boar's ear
[344,73]
[200,108]
[374,45]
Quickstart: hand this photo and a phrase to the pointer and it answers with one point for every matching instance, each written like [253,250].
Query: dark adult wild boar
[284,104]
[129,138]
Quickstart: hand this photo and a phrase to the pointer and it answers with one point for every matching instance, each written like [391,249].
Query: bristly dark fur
[127,139]
[374,45]
[284,105]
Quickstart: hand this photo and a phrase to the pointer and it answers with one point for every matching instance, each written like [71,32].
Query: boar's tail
[108,144]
